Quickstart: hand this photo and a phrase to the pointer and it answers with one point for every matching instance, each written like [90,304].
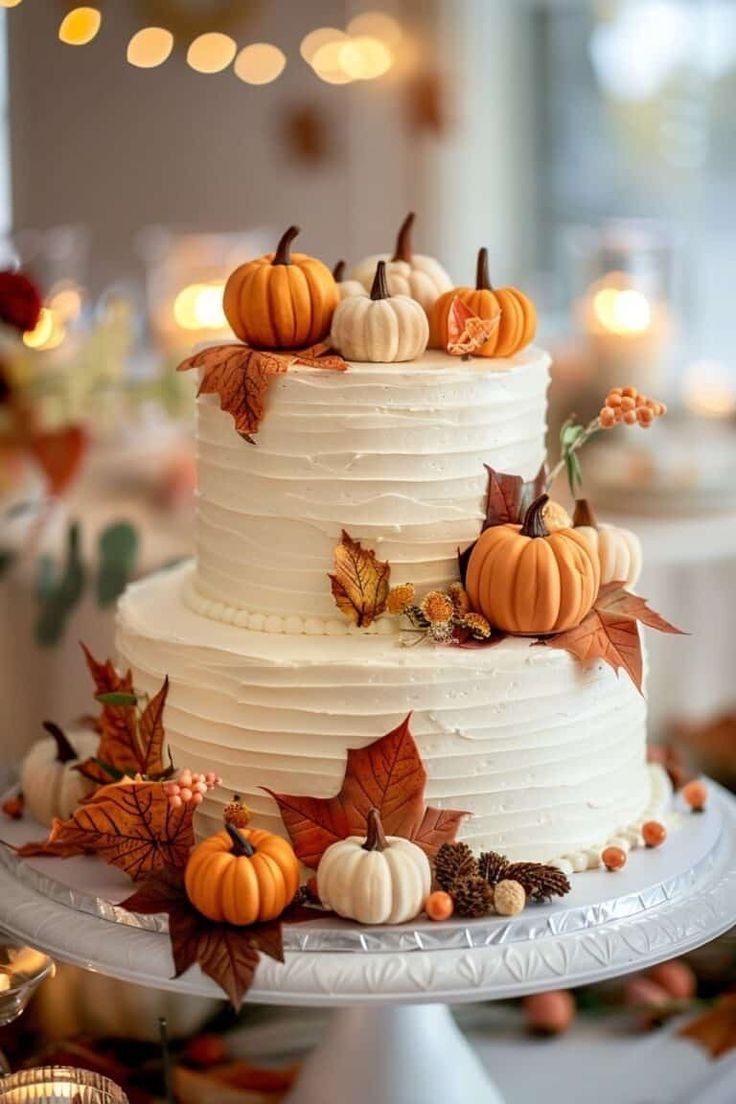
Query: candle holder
[60,1085]
[22,969]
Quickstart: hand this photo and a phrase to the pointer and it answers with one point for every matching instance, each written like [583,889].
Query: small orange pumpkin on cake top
[282,300]
[516,314]
[407,273]
[529,581]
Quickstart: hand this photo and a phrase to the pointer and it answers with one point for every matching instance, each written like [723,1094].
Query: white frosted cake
[270,685]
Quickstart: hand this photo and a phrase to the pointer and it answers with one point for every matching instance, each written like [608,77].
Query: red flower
[20,301]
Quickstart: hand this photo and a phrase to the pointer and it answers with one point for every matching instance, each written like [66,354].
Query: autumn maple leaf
[129,824]
[466,332]
[507,498]
[59,454]
[360,582]
[387,775]
[241,376]
[610,631]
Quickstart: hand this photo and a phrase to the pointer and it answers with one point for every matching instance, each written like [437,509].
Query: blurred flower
[20,301]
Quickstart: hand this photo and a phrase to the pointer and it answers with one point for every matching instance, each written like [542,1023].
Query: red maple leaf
[59,454]
[387,775]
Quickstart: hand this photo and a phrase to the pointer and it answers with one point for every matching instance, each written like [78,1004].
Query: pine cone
[453,861]
[492,866]
[540,881]
[472,896]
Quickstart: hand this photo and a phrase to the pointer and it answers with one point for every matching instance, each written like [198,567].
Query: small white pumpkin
[346,288]
[618,550]
[408,273]
[379,880]
[50,784]
[381,328]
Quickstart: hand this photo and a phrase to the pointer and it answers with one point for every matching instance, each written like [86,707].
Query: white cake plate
[393,1040]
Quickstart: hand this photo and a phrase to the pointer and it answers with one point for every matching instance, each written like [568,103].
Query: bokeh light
[80,26]
[377,24]
[327,63]
[65,301]
[364,58]
[622,310]
[149,47]
[48,333]
[9,3]
[312,42]
[199,307]
[260,63]
[211,52]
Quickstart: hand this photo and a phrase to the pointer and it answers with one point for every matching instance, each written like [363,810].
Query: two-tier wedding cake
[270,682]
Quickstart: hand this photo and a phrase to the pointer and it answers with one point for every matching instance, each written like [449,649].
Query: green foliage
[117,550]
[59,596]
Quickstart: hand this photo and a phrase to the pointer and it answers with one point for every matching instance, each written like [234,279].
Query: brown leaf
[607,636]
[13,806]
[128,824]
[614,599]
[322,356]
[387,775]
[503,498]
[716,1029]
[360,582]
[59,454]
[151,733]
[236,1082]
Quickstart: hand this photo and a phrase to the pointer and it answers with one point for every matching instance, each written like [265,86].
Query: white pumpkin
[51,787]
[346,288]
[618,550]
[408,273]
[381,328]
[379,880]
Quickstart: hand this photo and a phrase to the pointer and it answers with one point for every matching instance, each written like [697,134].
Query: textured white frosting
[548,756]
[393,453]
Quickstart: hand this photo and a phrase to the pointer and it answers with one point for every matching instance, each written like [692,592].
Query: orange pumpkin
[242,876]
[526,580]
[516,314]
[282,300]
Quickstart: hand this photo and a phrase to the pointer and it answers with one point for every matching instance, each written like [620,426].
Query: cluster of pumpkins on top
[390,310]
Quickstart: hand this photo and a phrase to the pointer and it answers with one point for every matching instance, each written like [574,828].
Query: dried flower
[492,865]
[479,626]
[540,880]
[453,861]
[472,896]
[555,516]
[400,598]
[237,813]
[459,597]
[437,607]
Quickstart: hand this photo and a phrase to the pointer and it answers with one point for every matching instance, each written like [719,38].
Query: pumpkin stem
[241,846]
[584,514]
[64,750]
[379,287]
[338,272]
[482,279]
[534,518]
[282,256]
[403,250]
[375,840]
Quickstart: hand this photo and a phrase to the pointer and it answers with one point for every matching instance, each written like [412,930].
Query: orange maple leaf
[466,332]
[241,376]
[59,454]
[610,631]
[360,582]
[715,1030]
[129,824]
[387,775]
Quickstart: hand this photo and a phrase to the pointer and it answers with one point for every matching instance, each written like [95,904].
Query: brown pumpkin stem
[583,514]
[375,839]
[282,256]
[403,250]
[64,750]
[379,287]
[338,272]
[482,278]
[534,518]
[241,846]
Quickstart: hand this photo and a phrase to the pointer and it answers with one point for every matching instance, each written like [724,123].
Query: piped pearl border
[628,838]
[293,625]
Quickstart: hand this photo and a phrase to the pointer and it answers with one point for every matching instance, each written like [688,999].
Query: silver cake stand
[392,1039]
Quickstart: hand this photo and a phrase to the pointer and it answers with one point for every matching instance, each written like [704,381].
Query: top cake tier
[394,453]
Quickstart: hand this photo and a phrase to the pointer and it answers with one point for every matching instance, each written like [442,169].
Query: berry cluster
[188,787]
[626,405]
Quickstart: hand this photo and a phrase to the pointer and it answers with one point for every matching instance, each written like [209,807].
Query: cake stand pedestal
[392,1039]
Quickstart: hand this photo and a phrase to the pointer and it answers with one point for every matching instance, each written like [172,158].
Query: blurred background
[147,146]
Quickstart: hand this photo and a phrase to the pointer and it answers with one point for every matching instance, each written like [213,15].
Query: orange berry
[439,905]
[630,417]
[613,858]
[549,1013]
[206,1050]
[607,417]
[613,399]
[695,795]
[648,998]
[629,392]
[676,977]
[654,833]
[644,416]
[662,408]
[616,391]
[627,403]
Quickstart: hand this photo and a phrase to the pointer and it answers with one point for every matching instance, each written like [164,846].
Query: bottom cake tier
[548,756]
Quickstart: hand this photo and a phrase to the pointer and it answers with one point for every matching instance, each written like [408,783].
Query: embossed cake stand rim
[629,940]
